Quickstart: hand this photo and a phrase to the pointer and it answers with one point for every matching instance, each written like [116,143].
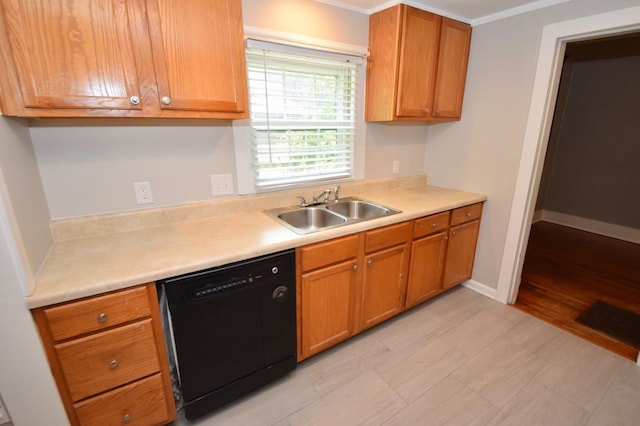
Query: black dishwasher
[233,329]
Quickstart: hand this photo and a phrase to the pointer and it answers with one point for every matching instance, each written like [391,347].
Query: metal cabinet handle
[102,318]
[468,214]
[433,225]
[113,364]
[355,266]
[126,417]
[165,100]
[370,262]
[134,100]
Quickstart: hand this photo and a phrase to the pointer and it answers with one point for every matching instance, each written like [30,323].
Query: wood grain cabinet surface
[137,58]
[384,273]
[327,278]
[428,252]
[417,66]
[461,247]
[352,283]
[108,357]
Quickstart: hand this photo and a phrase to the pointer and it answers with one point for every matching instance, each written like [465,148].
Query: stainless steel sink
[309,219]
[358,209]
[304,220]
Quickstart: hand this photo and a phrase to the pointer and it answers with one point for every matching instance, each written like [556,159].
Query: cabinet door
[198,54]
[461,251]
[455,40]
[418,56]
[383,285]
[427,264]
[327,298]
[73,53]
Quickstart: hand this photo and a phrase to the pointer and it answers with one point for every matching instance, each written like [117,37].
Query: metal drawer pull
[370,262]
[468,214]
[102,318]
[433,225]
[113,364]
[126,417]
[165,100]
[134,100]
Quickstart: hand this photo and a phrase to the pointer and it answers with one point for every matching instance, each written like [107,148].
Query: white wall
[89,166]
[28,213]
[482,152]
[26,383]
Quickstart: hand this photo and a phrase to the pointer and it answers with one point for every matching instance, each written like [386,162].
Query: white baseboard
[483,289]
[589,225]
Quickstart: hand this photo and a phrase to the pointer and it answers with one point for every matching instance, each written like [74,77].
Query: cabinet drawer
[328,252]
[102,361]
[97,313]
[466,214]
[141,402]
[430,224]
[388,236]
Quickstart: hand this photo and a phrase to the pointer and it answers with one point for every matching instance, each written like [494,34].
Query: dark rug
[618,323]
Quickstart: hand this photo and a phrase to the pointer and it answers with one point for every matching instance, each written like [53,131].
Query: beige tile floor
[460,359]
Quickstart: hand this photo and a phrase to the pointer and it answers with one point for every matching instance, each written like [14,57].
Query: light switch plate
[221,185]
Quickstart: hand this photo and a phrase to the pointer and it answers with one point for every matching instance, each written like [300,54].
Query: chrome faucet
[316,199]
[324,194]
[336,191]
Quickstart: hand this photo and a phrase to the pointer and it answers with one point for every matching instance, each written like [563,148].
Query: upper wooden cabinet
[417,66]
[153,58]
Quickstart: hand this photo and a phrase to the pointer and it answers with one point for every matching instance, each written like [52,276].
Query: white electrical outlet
[396,166]
[221,185]
[4,416]
[143,192]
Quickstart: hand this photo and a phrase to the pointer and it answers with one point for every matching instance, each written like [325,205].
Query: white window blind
[302,116]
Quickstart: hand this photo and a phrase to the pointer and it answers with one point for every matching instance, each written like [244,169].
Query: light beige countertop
[91,265]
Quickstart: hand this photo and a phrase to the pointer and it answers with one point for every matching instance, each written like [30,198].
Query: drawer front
[94,314]
[466,214]
[329,252]
[139,403]
[430,224]
[388,236]
[102,361]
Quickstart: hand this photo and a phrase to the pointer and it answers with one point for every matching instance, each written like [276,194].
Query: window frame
[242,128]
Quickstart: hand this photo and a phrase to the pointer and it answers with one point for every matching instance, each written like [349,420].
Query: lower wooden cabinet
[384,273]
[108,357]
[461,247]
[326,293]
[427,263]
[349,284]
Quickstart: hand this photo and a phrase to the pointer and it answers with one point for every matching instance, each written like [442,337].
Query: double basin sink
[304,220]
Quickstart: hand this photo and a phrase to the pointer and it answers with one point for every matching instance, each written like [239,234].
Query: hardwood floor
[567,270]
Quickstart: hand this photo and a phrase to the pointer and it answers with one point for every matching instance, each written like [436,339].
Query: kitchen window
[303,124]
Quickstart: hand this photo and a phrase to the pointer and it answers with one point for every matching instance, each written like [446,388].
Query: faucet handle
[303,202]
[336,193]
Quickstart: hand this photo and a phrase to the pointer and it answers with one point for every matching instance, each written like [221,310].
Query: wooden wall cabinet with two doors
[417,66]
[108,358]
[351,283]
[119,58]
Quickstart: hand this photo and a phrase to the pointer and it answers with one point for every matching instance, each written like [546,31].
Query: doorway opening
[554,40]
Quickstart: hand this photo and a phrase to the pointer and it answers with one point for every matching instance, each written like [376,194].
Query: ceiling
[471,11]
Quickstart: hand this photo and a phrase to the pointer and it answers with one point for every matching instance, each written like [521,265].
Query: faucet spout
[324,194]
